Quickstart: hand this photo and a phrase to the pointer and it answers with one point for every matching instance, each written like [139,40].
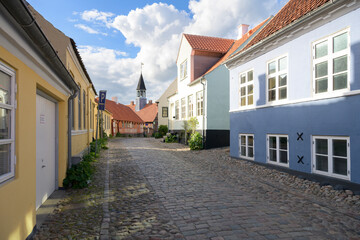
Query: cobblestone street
[146,189]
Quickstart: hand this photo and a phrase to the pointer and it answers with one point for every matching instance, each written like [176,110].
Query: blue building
[294,91]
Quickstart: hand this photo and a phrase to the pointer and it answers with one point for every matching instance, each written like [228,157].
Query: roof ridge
[188,34]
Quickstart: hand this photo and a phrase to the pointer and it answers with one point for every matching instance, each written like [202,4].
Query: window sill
[278,164]
[78,132]
[333,175]
[247,158]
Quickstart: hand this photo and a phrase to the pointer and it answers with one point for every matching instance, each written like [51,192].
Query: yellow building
[84,105]
[35,88]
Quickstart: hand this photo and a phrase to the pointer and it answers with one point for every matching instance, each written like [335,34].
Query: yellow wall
[82,136]
[17,201]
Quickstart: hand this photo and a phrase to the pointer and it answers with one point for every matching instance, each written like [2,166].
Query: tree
[193,123]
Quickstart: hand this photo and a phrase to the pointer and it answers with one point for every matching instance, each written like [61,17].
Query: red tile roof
[292,11]
[121,112]
[148,113]
[236,45]
[211,44]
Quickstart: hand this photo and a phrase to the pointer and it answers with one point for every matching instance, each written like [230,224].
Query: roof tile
[211,44]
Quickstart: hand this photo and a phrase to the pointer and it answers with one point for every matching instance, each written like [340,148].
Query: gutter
[21,14]
[289,27]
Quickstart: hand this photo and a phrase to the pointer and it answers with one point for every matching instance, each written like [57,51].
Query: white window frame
[183,108]
[183,70]
[277,149]
[200,103]
[276,76]
[246,85]
[329,59]
[246,145]
[330,156]
[190,106]
[12,108]
[177,110]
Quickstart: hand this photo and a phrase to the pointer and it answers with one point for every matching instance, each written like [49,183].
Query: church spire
[141,93]
[141,84]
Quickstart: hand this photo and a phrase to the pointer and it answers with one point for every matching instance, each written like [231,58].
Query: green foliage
[193,123]
[110,135]
[157,135]
[195,142]
[118,134]
[170,138]
[163,129]
[79,175]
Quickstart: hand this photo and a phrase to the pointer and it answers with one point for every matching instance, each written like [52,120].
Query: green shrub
[118,134]
[163,129]
[171,138]
[110,135]
[157,135]
[79,175]
[195,142]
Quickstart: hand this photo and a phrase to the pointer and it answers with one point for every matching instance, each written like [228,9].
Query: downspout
[70,120]
[203,134]
[88,114]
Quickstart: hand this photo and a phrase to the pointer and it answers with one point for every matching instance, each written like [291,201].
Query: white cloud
[89,29]
[156,29]
[95,15]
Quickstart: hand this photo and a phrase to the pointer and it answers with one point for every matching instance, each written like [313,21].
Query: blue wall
[334,117]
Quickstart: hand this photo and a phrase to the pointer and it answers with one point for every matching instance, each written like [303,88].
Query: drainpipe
[70,120]
[88,114]
[203,83]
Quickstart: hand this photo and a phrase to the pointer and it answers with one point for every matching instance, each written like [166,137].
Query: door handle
[43,166]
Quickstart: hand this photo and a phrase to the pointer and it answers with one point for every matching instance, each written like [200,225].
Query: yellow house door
[45,149]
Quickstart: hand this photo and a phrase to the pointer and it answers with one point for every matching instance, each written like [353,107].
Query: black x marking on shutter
[300,159]
[300,136]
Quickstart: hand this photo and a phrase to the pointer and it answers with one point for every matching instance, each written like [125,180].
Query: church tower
[140,94]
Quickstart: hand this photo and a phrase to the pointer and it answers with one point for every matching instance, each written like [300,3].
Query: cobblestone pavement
[154,190]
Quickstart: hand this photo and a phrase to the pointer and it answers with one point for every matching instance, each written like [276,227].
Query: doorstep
[48,207]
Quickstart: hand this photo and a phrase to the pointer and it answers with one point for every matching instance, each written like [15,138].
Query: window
[91,115]
[331,156]
[7,123]
[331,63]
[165,112]
[84,109]
[79,109]
[183,108]
[183,70]
[199,103]
[246,146]
[278,149]
[246,90]
[177,110]
[277,79]
[190,106]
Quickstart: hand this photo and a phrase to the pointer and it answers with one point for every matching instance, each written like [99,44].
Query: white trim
[310,99]
[10,107]
[78,132]
[275,75]
[245,85]
[329,59]
[330,155]
[277,136]
[247,145]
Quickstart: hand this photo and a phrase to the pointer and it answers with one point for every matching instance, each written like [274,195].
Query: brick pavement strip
[154,190]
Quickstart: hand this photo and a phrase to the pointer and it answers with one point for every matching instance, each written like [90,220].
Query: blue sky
[115,36]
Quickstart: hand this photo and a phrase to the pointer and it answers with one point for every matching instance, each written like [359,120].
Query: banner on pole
[102,99]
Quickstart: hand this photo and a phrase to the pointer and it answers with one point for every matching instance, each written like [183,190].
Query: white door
[45,149]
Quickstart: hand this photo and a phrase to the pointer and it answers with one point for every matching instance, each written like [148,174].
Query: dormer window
[183,70]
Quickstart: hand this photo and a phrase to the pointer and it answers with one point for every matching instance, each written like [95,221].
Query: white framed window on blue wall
[277,79]
[246,88]
[246,146]
[331,63]
[277,149]
[331,156]
[7,123]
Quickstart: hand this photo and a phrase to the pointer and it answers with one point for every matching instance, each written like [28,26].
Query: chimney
[150,101]
[132,103]
[242,30]
[115,99]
